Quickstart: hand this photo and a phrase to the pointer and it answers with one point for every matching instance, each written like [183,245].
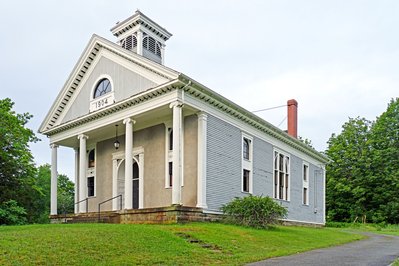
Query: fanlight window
[152,45]
[103,87]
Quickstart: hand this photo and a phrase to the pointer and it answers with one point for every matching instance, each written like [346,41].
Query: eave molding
[85,61]
[134,100]
[236,111]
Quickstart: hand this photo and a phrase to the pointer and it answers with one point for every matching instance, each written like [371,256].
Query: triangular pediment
[129,73]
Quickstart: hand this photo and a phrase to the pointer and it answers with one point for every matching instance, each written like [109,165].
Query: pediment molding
[96,48]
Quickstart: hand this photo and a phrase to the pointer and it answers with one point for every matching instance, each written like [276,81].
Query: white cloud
[327,96]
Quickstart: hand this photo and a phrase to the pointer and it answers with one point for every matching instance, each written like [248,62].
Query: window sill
[282,200]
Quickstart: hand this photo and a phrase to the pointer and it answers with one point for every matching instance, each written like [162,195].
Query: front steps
[163,215]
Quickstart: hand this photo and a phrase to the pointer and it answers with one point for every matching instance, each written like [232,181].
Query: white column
[76,179]
[53,197]
[140,42]
[82,172]
[201,161]
[115,202]
[177,154]
[129,163]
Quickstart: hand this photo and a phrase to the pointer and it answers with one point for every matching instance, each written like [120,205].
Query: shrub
[254,211]
[12,214]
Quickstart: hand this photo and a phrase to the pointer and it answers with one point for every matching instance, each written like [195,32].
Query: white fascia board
[132,111]
[127,33]
[76,69]
[219,102]
[200,105]
[119,60]
[137,99]
[139,16]
[97,43]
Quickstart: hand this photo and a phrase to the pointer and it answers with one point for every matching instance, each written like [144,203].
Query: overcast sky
[338,59]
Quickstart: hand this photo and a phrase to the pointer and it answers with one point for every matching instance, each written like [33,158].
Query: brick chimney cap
[292,102]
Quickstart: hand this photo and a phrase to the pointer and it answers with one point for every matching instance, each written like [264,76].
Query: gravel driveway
[379,250]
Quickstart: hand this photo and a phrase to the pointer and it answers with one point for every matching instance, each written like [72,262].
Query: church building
[153,145]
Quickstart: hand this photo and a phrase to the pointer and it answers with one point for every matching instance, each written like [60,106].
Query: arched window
[150,44]
[170,139]
[92,160]
[103,87]
[245,148]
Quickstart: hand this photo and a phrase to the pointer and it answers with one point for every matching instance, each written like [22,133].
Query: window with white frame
[281,176]
[91,172]
[246,164]
[169,158]
[305,183]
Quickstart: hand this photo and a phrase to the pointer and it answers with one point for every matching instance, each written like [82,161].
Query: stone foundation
[163,215]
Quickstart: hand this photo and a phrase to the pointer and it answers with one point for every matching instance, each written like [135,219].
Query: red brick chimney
[292,120]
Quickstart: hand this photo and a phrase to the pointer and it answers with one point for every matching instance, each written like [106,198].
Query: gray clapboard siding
[262,168]
[223,163]
[224,173]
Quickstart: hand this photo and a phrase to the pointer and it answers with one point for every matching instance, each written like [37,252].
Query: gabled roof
[94,46]
[140,19]
[175,79]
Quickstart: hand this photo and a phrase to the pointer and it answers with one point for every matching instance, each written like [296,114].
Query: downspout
[185,86]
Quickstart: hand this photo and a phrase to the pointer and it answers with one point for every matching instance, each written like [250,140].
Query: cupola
[143,36]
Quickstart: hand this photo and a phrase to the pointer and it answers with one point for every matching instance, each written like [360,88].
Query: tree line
[25,188]
[363,175]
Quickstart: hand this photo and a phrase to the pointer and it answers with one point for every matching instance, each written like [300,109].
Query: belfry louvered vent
[152,45]
[129,43]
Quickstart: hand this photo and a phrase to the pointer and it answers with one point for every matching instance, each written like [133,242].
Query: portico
[134,181]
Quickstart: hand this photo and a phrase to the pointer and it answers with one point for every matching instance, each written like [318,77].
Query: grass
[108,244]
[388,229]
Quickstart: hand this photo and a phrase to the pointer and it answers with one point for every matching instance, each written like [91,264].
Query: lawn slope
[194,243]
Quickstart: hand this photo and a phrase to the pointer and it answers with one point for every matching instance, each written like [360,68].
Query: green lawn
[194,243]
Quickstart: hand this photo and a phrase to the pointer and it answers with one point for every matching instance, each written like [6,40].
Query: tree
[12,214]
[385,164]
[348,151]
[65,194]
[17,169]
[363,179]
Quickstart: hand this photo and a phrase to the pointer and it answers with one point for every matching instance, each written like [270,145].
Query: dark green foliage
[12,214]
[17,170]
[65,195]
[19,179]
[254,211]
[363,179]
